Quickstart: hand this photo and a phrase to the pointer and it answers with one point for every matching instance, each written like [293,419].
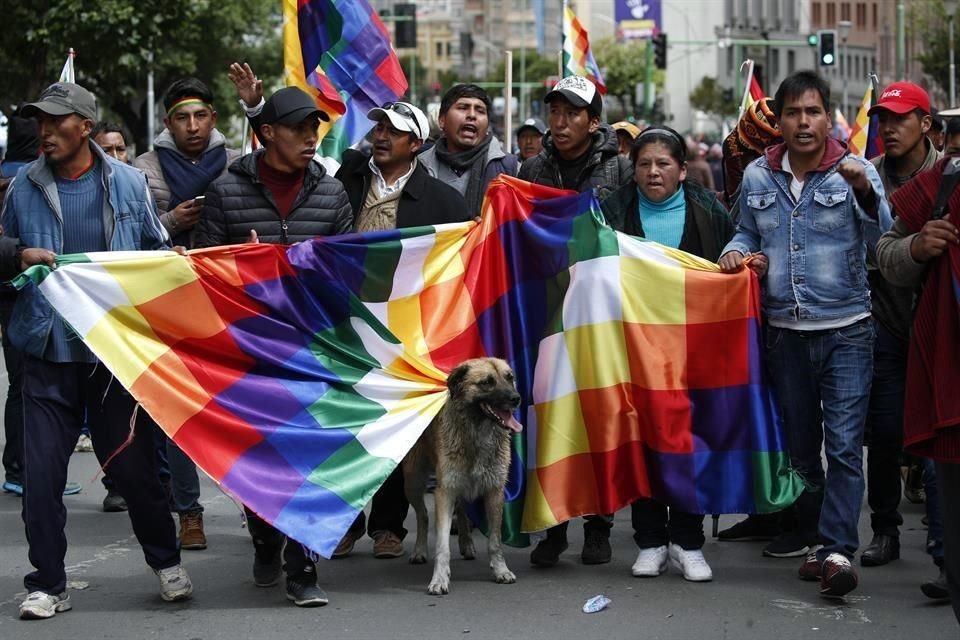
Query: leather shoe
[881,550]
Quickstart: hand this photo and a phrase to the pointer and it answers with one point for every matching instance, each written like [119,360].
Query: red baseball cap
[901,98]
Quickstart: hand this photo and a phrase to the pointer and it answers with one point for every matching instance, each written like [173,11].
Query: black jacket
[605,170]
[238,202]
[706,230]
[423,201]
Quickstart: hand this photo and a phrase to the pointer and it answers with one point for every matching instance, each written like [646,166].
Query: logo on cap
[892,93]
[576,83]
[55,90]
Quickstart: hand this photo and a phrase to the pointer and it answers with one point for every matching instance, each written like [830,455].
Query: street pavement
[115,595]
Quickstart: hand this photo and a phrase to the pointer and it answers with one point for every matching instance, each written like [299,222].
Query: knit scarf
[186,179]
[472,160]
[931,402]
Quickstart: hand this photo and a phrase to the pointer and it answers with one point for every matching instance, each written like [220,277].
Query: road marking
[837,612]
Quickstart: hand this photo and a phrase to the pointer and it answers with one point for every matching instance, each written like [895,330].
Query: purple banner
[638,18]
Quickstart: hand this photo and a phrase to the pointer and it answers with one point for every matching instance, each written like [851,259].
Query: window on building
[439,49]
[831,15]
[845,11]
[773,10]
[874,16]
[791,61]
[861,15]
[774,67]
[816,17]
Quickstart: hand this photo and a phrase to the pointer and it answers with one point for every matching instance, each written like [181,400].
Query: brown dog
[468,445]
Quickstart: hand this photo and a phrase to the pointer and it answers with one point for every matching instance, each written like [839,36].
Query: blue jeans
[184,481]
[822,381]
[934,518]
[884,433]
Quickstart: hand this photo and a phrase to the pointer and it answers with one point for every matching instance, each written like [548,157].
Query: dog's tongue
[509,420]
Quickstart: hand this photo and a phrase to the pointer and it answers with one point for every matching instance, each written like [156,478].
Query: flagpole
[746,88]
[508,99]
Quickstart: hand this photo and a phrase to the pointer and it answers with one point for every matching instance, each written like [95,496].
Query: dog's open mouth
[504,417]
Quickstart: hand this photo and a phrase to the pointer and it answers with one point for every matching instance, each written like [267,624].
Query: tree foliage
[709,96]
[929,17]
[115,39]
[624,65]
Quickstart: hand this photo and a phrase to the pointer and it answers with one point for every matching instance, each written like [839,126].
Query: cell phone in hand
[199,199]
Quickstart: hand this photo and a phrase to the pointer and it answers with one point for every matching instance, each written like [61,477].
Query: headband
[185,102]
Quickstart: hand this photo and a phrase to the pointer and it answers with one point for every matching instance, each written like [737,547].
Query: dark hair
[660,135]
[936,123]
[464,91]
[108,127]
[186,88]
[953,126]
[798,84]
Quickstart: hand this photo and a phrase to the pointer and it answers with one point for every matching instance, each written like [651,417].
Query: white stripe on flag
[84,293]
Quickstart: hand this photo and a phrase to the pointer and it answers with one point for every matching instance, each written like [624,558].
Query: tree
[930,18]
[624,65]
[709,96]
[115,39]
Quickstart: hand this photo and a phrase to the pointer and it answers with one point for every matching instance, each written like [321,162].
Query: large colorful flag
[67,74]
[303,374]
[339,51]
[578,59]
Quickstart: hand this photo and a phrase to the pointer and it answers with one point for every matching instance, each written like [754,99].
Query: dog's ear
[456,379]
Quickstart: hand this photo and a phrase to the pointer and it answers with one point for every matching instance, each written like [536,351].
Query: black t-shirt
[571,171]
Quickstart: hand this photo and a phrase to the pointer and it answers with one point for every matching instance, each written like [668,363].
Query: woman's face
[657,173]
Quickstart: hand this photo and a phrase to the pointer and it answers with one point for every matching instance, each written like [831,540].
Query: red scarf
[931,412]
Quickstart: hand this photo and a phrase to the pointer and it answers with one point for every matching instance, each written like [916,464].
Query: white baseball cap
[403,116]
[579,92]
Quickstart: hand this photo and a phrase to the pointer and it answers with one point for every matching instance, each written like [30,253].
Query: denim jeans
[822,381]
[184,480]
[934,517]
[884,432]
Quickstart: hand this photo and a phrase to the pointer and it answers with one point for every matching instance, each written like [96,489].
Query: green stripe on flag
[350,472]
[380,265]
[776,485]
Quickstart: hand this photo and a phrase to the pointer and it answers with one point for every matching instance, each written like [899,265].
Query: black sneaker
[790,544]
[936,589]
[755,527]
[547,552]
[303,591]
[596,547]
[266,573]
[114,502]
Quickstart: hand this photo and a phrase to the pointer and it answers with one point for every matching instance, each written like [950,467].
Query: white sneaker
[174,583]
[39,605]
[650,563]
[691,563]
[84,443]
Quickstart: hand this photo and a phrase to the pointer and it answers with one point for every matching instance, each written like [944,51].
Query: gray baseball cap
[63,98]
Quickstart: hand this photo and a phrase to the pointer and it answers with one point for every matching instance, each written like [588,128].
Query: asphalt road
[115,595]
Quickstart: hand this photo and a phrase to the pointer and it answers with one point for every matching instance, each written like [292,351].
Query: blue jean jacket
[31,212]
[816,247]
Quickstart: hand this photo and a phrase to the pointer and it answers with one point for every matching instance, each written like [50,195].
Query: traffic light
[827,40]
[813,39]
[660,50]
[406,25]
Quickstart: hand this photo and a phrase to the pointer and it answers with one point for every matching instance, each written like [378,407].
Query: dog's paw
[505,577]
[439,588]
[418,558]
[467,550]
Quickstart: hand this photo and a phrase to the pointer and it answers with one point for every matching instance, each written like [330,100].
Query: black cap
[61,99]
[290,106]
[532,123]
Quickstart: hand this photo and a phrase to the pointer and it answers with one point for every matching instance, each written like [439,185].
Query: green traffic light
[813,40]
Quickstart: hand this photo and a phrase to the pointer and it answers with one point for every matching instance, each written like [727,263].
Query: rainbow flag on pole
[578,59]
[303,374]
[339,51]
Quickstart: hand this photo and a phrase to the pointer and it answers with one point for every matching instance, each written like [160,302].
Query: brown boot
[191,531]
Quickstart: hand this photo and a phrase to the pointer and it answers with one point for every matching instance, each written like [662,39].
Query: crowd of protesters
[843,247]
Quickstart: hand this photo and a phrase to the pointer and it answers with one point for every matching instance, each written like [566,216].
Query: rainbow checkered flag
[339,51]
[302,375]
[578,59]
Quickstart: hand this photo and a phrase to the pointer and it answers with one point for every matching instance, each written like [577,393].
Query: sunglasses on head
[406,112]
